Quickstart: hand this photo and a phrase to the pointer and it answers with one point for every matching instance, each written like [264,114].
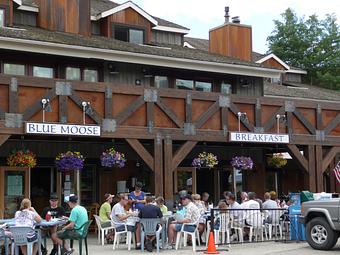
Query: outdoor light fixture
[278,118]
[87,109]
[243,116]
[46,107]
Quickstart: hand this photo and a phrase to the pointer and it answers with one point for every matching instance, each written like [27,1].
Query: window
[90,75]
[14,69]
[185,84]
[203,86]
[226,88]
[43,72]
[161,82]
[127,34]
[2,18]
[72,73]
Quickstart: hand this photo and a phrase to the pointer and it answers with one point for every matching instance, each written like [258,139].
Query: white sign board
[258,137]
[62,129]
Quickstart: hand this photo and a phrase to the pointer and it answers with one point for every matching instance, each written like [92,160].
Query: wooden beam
[108,102]
[182,152]
[158,166]
[207,115]
[333,124]
[329,157]
[78,101]
[272,120]
[318,168]
[129,110]
[311,168]
[258,113]
[188,108]
[3,139]
[37,106]
[13,98]
[142,152]
[63,109]
[234,109]
[304,121]
[224,120]
[298,156]
[319,123]
[168,170]
[150,116]
[169,112]
[290,122]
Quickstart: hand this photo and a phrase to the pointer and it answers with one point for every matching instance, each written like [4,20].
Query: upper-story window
[203,86]
[128,34]
[226,88]
[161,82]
[2,17]
[194,85]
[185,84]
[73,73]
[90,75]
[14,69]
[43,72]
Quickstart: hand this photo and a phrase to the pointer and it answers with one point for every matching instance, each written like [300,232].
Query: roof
[38,34]
[166,23]
[99,6]
[29,3]
[297,90]
[197,43]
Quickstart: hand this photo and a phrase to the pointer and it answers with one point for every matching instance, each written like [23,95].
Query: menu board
[14,185]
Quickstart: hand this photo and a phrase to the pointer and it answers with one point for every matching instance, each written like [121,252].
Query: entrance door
[185,179]
[40,187]
[14,186]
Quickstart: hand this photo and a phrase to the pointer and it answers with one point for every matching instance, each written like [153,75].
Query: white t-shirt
[269,204]
[117,209]
[25,218]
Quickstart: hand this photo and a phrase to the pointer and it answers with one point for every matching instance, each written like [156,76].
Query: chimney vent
[236,19]
[226,16]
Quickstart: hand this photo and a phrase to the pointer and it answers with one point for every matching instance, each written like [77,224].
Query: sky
[202,15]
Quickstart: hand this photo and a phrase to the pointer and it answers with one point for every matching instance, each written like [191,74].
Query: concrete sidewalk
[266,248]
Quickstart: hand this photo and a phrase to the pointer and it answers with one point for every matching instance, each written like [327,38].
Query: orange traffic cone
[211,245]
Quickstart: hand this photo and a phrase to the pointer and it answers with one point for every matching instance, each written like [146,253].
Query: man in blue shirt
[73,229]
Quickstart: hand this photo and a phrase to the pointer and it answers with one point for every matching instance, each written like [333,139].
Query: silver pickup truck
[321,220]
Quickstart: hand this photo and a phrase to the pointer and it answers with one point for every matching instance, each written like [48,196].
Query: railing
[234,226]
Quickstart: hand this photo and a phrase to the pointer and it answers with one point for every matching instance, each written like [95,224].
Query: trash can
[297,230]
[306,196]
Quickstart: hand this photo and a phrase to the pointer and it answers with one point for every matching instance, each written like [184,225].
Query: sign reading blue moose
[62,129]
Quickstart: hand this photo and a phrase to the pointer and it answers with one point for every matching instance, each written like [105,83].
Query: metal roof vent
[236,19]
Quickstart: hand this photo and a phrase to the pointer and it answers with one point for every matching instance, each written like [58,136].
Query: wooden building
[155,100]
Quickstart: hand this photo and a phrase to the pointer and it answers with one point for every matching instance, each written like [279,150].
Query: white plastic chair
[194,235]
[118,234]
[19,236]
[149,228]
[275,223]
[237,227]
[224,228]
[256,229]
[5,239]
[101,231]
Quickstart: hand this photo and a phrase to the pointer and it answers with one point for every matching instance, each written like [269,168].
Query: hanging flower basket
[22,158]
[242,163]
[112,158]
[69,161]
[277,160]
[205,159]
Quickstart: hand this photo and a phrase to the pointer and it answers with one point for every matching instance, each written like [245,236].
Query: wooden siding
[127,17]
[292,77]
[232,40]
[8,6]
[273,63]
[166,37]
[24,18]
[72,16]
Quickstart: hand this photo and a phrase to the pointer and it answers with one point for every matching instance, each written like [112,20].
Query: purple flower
[112,158]
[69,161]
[242,163]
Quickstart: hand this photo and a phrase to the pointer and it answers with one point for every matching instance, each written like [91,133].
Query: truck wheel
[320,235]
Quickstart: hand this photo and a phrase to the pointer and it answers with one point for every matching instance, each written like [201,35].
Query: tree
[312,44]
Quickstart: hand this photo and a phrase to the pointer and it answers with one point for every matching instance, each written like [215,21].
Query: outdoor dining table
[38,226]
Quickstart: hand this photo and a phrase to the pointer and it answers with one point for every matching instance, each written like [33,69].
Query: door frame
[194,178]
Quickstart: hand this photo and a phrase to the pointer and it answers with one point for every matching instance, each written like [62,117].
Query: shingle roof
[166,23]
[29,3]
[201,44]
[99,6]
[38,34]
[301,91]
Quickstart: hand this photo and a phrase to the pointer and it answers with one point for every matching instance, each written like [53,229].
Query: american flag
[337,172]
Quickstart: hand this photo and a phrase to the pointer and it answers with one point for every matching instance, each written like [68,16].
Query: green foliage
[311,44]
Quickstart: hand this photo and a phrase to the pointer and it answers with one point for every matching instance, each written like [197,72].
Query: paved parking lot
[267,248]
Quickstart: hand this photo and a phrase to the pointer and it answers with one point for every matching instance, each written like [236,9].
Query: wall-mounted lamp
[278,119]
[87,109]
[112,68]
[241,116]
[46,107]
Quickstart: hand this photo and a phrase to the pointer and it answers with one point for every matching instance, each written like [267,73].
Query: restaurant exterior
[112,75]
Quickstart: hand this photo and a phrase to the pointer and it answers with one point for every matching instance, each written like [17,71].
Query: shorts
[68,234]
[188,228]
[106,224]
[129,228]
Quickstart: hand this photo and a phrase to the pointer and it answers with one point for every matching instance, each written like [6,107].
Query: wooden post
[318,168]
[311,168]
[168,170]
[158,166]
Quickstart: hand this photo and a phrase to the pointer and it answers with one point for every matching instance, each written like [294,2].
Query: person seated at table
[105,216]
[27,217]
[54,211]
[192,215]
[222,207]
[78,218]
[150,211]
[196,198]
[161,204]
[205,199]
[137,197]
[120,218]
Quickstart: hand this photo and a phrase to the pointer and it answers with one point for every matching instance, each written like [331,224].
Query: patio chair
[19,237]
[149,228]
[80,238]
[5,239]
[275,224]
[118,234]
[224,228]
[256,229]
[101,231]
[237,227]
[185,233]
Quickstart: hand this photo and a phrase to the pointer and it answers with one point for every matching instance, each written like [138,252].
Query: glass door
[185,179]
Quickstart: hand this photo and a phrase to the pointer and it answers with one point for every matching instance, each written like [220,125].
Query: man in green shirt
[105,211]
[73,229]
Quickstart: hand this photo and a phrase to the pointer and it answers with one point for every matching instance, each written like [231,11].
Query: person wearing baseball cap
[73,229]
